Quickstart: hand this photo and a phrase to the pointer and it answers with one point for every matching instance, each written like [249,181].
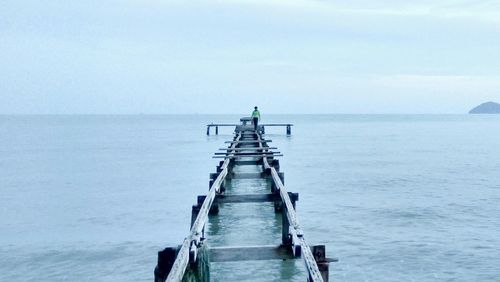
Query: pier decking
[191,260]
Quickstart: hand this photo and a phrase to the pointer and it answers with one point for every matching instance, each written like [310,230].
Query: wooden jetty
[191,260]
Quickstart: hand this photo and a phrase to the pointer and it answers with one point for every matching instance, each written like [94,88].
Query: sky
[226,56]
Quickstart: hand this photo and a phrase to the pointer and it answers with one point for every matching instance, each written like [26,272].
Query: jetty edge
[191,260]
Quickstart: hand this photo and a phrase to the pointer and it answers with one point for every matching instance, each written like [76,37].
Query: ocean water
[394,197]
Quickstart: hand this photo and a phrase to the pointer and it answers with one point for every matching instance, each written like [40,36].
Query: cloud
[153,56]
[461,83]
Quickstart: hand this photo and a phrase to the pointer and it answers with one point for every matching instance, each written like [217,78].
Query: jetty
[191,260]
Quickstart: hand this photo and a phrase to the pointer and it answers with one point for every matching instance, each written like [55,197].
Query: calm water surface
[395,198]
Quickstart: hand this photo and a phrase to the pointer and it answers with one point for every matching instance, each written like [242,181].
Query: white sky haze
[290,56]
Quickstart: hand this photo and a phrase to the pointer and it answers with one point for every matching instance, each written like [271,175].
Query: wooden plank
[247,153]
[248,149]
[248,198]
[249,141]
[248,175]
[248,253]
[242,156]
[222,254]
[236,162]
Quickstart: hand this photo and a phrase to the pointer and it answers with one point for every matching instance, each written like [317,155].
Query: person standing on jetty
[255,117]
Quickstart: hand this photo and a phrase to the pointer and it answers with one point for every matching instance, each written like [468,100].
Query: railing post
[212,176]
[288,130]
[208,130]
[216,130]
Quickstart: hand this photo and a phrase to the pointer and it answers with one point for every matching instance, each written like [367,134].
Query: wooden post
[199,269]
[166,259]
[208,130]
[288,130]
[216,130]
[286,238]
[194,213]
[214,209]
[278,204]
[223,187]
[319,253]
[213,176]
[276,165]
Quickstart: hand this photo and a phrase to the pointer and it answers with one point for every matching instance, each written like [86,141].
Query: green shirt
[256,114]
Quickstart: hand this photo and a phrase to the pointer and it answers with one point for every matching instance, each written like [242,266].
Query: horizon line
[211,114]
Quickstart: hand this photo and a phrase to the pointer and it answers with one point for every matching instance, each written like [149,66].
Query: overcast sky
[289,56]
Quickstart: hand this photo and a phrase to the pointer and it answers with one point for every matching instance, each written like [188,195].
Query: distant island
[486,108]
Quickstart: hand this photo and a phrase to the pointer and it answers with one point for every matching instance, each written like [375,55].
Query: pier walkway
[248,156]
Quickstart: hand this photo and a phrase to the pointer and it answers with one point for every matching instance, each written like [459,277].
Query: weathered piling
[190,261]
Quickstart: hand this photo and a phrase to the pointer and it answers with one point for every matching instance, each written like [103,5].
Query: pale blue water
[395,198]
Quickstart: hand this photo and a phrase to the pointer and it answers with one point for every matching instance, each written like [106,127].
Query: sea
[393,197]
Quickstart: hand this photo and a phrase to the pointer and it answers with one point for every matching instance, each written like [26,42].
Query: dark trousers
[255,123]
